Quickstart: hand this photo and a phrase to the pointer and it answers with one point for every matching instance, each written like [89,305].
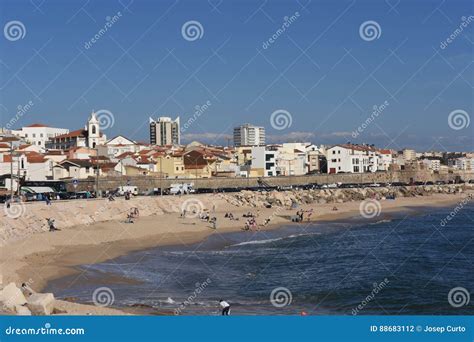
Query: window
[339,160]
[177,168]
[39,142]
[94,130]
[34,135]
[333,152]
[41,135]
[26,135]
[339,152]
[333,160]
[356,169]
[339,168]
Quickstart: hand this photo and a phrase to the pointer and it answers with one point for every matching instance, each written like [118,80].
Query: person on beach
[214,222]
[51,226]
[225,307]
[48,201]
[310,212]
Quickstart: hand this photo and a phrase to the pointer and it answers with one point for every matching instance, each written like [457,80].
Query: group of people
[133,214]
[230,216]
[250,224]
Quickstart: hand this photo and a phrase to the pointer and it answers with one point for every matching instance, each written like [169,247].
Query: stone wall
[148,183]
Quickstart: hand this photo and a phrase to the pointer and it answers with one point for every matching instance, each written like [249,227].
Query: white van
[127,188]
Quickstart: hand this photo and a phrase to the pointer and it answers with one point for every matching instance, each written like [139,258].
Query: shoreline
[46,256]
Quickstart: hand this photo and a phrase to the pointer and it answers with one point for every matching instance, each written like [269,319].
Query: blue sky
[319,70]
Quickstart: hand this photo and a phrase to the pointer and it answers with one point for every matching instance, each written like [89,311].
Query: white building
[349,158]
[164,131]
[90,136]
[39,134]
[249,135]
[432,164]
[117,146]
[385,159]
[264,161]
[28,165]
[291,159]
[409,154]
[464,163]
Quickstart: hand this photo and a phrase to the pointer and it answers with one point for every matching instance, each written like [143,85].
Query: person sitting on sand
[225,307]
[51,226]
[129,218]
[335,208]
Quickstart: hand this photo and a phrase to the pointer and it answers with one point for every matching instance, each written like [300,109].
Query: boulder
[22,310]
[41,303]
[11,296]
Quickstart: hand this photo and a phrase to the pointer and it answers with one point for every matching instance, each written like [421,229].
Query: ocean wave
[260,242]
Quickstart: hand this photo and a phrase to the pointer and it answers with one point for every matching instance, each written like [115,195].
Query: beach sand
[44,256]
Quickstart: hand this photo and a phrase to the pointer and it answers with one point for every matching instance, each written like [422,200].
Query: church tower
[93,131]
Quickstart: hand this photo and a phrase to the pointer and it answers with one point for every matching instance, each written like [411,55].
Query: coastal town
[32,155]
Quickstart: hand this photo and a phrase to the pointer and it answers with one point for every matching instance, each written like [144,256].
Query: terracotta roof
[124,155]
[4,145]
[72,134]
[37,125]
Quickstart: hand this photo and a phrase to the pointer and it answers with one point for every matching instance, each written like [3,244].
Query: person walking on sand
[214,222]
[225,307]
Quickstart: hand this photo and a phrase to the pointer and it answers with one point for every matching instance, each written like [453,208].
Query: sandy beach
[44,256]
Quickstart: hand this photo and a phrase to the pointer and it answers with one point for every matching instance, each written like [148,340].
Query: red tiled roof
[37,125]
[72,134]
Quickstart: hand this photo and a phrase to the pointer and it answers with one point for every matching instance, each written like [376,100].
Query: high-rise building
[164,131]
[249,135]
